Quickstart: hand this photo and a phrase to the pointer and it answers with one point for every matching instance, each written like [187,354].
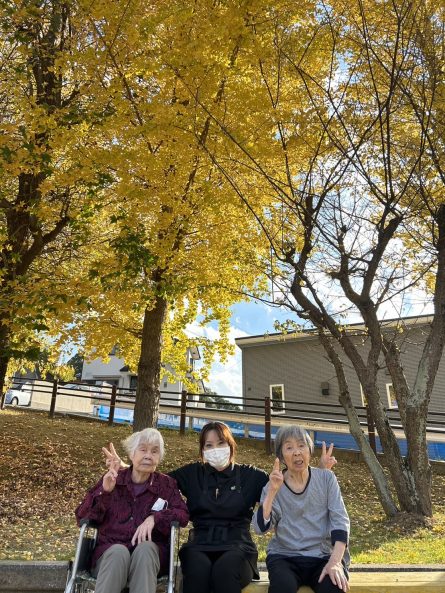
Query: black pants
[287,574]
[219,572]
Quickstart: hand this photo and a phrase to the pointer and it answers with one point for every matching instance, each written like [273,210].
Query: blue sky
[248,319]
[258,318]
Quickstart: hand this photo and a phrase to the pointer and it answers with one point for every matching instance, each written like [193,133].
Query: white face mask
[218,457]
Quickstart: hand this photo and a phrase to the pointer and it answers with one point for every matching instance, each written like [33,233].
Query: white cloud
[194,329]
[225,379]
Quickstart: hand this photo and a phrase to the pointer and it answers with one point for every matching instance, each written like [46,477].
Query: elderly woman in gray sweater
[304,507]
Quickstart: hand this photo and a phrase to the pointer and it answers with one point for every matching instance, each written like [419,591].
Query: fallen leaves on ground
[46,466]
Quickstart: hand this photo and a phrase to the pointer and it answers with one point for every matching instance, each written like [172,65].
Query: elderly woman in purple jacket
[134,509]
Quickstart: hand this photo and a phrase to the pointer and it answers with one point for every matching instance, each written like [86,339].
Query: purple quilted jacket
[120,512]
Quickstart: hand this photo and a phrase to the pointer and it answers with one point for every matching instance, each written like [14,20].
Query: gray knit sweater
[306,523]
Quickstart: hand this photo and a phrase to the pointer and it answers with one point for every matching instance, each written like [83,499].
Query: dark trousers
[287,574]
[219,572]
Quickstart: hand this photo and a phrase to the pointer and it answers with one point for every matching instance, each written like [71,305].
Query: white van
[19,395]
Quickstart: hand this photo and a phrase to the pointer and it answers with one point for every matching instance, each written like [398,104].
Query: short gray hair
[292,431]
[148,435]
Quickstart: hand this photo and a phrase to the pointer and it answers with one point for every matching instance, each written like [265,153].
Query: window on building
[277,399]
[133,382]
[392,402]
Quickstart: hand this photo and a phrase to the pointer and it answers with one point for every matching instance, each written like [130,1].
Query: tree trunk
[413,417]
[149,367]
[418,458]
[378,476]
[401,475]
[4,360]
[419,398]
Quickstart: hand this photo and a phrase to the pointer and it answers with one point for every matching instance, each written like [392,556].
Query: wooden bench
[376,582]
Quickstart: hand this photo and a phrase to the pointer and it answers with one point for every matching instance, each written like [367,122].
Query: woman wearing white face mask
[220,556]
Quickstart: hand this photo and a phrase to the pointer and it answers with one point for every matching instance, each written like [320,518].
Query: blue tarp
[256,431]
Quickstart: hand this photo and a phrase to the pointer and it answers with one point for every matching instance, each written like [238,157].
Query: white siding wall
[98,370]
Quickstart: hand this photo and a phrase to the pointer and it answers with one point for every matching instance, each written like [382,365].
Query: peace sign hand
[327,460]
[276,476]
[113,462]
[109,480]
[112,459]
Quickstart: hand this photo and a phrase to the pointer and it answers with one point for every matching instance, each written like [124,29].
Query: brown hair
[223,432]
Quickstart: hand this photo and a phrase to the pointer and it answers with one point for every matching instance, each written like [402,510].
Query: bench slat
[376,582]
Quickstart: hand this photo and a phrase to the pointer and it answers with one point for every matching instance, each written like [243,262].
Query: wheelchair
[79,579]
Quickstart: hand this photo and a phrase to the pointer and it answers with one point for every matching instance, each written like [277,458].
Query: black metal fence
[261,410]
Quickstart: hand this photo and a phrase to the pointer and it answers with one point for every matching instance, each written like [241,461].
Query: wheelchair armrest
[174,541]
[84,548]
[88,523]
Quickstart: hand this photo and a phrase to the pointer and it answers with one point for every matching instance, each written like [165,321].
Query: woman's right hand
[276,476]
[275,482]
[112,458]
[109,479]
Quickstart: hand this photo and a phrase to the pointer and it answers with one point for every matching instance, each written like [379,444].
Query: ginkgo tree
[48,187]
[137,217]
[179,245]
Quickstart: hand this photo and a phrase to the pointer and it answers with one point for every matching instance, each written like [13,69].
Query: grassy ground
[46,467]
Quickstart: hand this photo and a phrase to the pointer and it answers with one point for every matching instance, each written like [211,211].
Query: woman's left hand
[143,532]
[336,574]
[327,460]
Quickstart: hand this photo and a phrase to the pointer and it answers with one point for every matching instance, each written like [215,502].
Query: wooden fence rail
[251,410]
